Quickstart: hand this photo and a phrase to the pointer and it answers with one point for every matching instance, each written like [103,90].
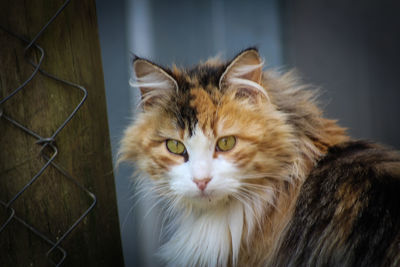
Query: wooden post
[53,203]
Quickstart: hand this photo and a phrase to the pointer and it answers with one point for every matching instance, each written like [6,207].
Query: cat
[250,173]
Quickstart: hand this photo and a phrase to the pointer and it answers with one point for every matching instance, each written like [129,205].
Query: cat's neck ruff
[207,238]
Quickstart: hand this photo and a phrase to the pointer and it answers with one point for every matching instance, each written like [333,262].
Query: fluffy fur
[242,216]
[347,213]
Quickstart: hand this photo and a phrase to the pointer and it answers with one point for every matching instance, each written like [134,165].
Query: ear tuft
[152,80]
[244,73]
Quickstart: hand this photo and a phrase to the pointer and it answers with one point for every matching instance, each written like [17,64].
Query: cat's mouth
[207,197]
[204,195]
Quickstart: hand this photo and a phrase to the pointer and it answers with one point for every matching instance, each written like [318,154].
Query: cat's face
[209,135]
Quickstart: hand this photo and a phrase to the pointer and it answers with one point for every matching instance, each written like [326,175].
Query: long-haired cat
[251,174]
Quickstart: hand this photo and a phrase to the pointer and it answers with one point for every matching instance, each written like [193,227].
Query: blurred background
[349,49]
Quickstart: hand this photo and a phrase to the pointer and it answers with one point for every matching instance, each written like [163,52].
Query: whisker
[257,186]
[158,201]
[263,197]
[268,176]
[249,209]
[126,217]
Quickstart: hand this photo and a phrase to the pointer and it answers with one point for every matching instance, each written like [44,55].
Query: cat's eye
[176,147]
[226,143]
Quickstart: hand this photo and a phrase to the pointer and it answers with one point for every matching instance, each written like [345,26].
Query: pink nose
[202,183]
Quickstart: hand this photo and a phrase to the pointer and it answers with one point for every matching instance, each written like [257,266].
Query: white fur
[157,83]
[240,82]
[205,238]
[235,73]
[235,78]
[155,80]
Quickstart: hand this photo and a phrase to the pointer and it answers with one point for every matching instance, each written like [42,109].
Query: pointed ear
[154,82]
[244,74]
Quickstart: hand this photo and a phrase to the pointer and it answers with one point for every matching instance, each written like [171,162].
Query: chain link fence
[48,146]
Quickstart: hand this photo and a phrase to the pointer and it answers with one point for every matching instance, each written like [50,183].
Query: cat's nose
[202,183]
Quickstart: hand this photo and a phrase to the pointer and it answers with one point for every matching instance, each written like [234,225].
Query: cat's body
[228,148]
[348,211]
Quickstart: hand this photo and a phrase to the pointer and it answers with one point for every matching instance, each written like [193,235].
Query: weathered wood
[53,203]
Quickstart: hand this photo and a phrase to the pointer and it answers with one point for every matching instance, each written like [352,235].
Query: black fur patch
[207,75]
[200,76]
[370,176]
[185,114]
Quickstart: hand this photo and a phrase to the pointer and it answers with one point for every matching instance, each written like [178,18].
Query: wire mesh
[49,149]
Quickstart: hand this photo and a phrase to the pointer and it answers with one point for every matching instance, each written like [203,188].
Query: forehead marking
[205,109]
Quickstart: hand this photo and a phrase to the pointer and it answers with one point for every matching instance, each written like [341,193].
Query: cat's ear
[154,82]
[244,74]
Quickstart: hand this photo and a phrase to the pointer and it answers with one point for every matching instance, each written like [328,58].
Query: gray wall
[352,50]
[111,17]
[184,32]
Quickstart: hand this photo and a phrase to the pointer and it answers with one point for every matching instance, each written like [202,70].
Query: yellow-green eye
[176,147]
[226,143]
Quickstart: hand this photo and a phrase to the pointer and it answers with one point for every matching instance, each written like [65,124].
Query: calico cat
[250,173]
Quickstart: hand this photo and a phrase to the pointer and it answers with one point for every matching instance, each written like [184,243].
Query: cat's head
[210,134]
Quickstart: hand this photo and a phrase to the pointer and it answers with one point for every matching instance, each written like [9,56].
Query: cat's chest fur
[209,238]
